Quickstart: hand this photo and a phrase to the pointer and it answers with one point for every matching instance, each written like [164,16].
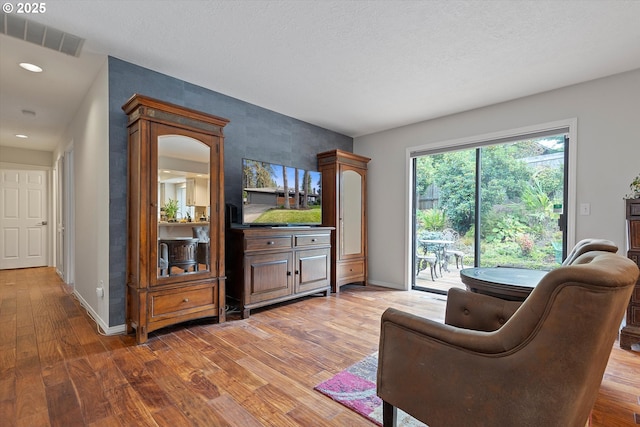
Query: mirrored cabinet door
[351,213]
[183,212]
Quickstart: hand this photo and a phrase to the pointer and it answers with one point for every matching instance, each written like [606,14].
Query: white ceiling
[356,67]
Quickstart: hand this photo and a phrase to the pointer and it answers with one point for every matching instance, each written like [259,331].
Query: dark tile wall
[252,132]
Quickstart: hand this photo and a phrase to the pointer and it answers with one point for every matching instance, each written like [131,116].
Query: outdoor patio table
[440,250]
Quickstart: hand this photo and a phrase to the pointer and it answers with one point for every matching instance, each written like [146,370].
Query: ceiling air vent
[34,32]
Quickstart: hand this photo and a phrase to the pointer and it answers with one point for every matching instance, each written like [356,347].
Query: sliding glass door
[493,204]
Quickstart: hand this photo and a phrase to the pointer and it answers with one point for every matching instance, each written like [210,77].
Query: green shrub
[506,229]
[431,219]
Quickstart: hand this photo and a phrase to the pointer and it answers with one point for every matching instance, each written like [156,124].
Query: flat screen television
[270,196]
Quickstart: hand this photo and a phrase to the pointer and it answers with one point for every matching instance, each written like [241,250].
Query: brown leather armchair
[543,367]
[484,313]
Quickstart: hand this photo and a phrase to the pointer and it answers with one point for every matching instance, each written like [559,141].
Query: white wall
[608,158]
[25,156]
[89,131]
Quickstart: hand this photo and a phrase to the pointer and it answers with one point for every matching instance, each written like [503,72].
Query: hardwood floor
[57,370]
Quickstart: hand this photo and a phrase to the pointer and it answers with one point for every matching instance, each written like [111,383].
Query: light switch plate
[585,209]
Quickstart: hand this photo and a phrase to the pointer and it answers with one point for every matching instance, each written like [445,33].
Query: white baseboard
[108,330]
[397,286]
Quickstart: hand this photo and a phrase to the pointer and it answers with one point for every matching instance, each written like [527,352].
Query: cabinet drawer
[177,301]
[351,269]
[635,296]
[266,243]
[634,315]
[634,235]
[313,240]
[633,209]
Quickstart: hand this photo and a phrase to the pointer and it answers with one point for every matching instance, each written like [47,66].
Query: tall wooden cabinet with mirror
[344,201]
[175,243]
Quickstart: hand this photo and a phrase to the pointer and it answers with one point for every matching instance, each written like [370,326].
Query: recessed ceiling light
[19,135]
[31,67]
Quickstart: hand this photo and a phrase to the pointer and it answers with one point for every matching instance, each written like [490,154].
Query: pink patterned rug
[355,388]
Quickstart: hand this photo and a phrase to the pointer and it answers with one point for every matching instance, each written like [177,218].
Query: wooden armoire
[175,267]
[344,207]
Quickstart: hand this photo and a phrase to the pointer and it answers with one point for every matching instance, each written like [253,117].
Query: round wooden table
[513,284]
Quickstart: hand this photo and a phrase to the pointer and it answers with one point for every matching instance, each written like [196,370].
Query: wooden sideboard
[271,265]
[630,333]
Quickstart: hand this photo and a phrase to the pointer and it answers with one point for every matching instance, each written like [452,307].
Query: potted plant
[635,189]
[171,209]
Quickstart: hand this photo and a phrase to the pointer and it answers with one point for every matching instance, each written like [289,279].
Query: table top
[178,239]
[505,275]
[503,282]
[436,241]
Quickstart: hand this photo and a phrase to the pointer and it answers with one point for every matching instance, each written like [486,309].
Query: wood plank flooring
[57,370]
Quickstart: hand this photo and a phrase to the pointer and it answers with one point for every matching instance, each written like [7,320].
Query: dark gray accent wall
[253,132]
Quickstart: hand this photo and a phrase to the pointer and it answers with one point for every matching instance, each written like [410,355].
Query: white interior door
[23,222]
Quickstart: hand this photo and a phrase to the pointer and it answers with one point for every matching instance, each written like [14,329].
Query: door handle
[42,223]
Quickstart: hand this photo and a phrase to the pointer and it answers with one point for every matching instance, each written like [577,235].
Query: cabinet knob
[314,240]
[288,273]
[271,242]
[185,300]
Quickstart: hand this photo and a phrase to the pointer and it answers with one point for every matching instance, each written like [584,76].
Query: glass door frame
[567,126]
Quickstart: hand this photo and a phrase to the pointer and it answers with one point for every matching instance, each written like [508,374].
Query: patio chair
[454,248]
[432,251]
[422,261]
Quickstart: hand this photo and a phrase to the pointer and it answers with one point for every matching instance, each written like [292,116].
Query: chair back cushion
[479,312]
[588,245]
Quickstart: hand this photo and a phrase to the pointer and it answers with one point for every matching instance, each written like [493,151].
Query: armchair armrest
[479,312]
[395,322]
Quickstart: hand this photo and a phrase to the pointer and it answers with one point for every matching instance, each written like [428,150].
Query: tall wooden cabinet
[177,276]
[630,333]
[344,202]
